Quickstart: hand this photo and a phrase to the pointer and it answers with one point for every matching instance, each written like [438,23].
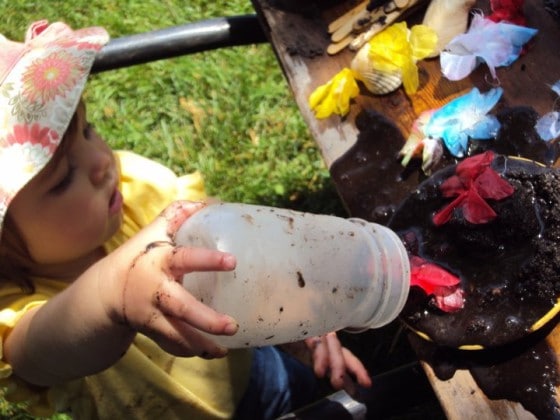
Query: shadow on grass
[322,201]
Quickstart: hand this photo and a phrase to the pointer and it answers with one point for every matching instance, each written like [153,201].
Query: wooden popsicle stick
[336,47]
[402,4]
[357,26]
[348,26]
[373,17]
[337,23]
[364,37]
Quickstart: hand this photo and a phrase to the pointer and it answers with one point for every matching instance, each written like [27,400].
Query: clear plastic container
[298,275]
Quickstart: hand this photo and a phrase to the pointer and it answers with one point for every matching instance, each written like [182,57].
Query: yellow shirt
[146,383]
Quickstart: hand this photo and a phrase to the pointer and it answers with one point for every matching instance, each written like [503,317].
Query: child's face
[73,205]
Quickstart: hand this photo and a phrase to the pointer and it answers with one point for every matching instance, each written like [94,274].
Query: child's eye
[88,131]
[65,182]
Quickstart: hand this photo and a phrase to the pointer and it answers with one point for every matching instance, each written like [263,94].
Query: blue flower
[463,118]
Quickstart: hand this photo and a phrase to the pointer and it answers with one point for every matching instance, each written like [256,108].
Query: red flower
[510,11]
[434,280]
[474,182]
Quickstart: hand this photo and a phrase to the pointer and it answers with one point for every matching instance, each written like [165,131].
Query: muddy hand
[149,295]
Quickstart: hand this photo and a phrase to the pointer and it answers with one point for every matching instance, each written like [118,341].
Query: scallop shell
[381,82]
[376,81]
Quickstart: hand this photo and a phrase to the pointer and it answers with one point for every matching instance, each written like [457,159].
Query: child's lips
[115,202]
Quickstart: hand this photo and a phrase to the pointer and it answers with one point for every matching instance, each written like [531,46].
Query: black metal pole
[179,40]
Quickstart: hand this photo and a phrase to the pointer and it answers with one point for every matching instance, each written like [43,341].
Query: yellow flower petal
[318,95]
[335,95]
[398,49]
[423,40]
[410,78]
[390,49]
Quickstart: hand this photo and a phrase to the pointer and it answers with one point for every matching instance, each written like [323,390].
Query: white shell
[448,18]
[380,82]
[376,81]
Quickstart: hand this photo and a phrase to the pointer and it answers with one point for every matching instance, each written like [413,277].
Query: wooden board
[461,398]
[526,82]
[300,38]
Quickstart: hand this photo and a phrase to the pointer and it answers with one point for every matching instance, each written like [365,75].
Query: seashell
[378,82]
[381,82]
[448,18]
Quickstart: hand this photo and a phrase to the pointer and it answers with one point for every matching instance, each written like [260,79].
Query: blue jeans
[278,385]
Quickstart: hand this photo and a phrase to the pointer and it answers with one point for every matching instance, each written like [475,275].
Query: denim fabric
[278,385]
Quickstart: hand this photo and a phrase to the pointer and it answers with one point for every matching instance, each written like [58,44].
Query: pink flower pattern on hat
[41,81]
[51,76]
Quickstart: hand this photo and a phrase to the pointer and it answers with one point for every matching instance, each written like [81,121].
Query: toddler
[94,321]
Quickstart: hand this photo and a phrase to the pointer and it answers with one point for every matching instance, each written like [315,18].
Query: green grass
[227,113]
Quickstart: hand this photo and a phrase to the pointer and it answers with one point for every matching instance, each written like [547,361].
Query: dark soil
[509,268]
[553,7]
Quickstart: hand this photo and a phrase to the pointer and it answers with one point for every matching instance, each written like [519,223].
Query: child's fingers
[337,363]
[176,302]
[164,227]
[177,212]
[181,339]
[320,352]
[185,260]
[356,367]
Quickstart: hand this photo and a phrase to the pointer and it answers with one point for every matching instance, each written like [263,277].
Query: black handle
[179,40]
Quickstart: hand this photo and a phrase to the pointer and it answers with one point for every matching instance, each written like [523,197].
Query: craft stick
[373,17]
[402,4]
[364,37]
[335,48]
[348,26]
[337,23]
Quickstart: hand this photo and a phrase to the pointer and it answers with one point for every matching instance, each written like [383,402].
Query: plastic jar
[298,275]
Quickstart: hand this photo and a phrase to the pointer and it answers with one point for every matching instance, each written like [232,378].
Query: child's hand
[147,295]
[330,358]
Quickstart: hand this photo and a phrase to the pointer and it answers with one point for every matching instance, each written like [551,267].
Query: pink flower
[473,183]
[34,134]
[449,299]
[51,76]
[434,280]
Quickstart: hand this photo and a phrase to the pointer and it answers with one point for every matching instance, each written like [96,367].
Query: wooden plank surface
[299,37]
[299,42]
[461,398]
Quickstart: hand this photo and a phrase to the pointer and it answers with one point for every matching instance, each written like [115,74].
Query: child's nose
[101,162]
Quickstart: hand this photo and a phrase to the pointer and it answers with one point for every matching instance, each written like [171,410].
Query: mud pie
[493,222]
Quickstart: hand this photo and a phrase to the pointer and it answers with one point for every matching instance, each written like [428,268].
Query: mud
[509,268]
[373,185]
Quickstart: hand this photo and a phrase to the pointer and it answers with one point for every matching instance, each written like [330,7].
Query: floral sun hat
[41,82]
